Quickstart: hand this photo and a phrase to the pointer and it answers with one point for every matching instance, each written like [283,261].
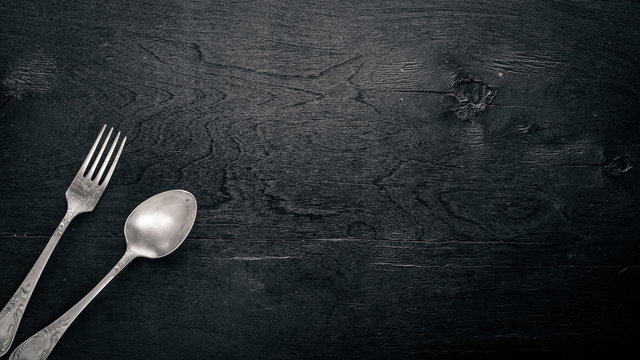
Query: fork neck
[70,215]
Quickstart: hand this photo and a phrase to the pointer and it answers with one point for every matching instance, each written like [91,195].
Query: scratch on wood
[260,258]
[397,265]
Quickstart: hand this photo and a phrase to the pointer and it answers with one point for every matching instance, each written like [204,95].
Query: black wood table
[376,179]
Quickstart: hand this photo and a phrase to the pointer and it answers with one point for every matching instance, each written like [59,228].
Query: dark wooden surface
[384,179]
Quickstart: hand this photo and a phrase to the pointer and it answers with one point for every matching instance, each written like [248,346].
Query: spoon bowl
[160,224]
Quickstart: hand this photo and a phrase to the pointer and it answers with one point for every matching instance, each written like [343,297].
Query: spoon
[153,229]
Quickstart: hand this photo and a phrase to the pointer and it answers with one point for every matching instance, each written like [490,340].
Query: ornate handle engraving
[40,345]
[11,314]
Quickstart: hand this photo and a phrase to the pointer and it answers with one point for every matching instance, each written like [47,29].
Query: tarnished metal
[82,196]
[154,229]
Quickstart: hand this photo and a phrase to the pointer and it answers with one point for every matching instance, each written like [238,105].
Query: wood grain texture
[387,179]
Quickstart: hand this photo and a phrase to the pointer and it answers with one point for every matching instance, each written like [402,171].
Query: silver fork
[82,195]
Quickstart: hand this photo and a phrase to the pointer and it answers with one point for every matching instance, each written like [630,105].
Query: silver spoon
[153,229]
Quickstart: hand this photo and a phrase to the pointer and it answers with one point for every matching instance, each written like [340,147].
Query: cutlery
[153,229]
[82,195]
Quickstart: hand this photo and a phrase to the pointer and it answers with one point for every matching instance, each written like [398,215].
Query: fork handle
[11,314]
[40,345]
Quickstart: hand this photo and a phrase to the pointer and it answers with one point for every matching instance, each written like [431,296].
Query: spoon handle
[39,346]
[11,314]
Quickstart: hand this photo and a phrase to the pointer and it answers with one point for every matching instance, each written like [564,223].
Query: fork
[82,195]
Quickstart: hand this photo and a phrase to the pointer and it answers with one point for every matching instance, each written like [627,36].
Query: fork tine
[106,158]
[113,164]
[93,148]
[97,159]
